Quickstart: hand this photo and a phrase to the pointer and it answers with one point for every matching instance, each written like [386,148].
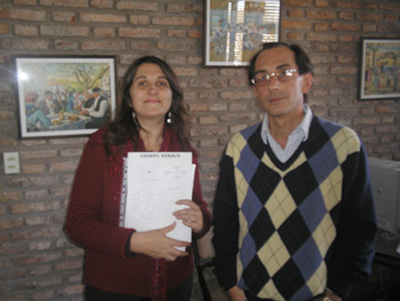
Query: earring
[169,117]
[134,119]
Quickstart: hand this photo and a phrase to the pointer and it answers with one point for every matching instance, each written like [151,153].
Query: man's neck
[280,127]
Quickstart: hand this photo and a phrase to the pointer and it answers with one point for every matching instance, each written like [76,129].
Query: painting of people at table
[67,110]
[63,96]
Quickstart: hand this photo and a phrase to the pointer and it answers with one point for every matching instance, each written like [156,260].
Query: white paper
[155,181]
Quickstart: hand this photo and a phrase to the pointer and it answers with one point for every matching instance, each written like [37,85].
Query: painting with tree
[64,96]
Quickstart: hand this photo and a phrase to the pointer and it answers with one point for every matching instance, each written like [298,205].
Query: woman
[120,263]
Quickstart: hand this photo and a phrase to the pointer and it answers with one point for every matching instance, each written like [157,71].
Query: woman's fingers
[157,244]
[191,216]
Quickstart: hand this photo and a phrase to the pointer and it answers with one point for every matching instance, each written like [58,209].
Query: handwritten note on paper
[155,181]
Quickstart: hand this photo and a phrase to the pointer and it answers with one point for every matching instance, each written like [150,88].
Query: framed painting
[64,96]
[380,69]
[235,30]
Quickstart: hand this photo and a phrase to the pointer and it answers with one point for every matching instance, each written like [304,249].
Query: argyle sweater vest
[286,227]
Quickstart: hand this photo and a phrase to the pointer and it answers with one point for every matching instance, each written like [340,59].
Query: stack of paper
[154,182]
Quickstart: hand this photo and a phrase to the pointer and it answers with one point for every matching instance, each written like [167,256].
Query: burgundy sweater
[92,222]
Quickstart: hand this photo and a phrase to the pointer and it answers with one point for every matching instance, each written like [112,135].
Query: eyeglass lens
[282,76]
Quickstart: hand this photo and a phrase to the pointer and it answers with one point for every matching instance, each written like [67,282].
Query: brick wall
[36,260]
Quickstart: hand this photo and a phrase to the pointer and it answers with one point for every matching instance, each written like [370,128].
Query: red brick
[103,18]
[195,34]
[369,27]
[295,13]
[10,223]
[355,4]
[26,30]
[346,15]
[139,32]
[208,119]
[64,16]
[184,8]
[173,21]
[34,207]
[72,289]
[374,17]
[198,107]
[39,245]
[321,37]
[346,38]
[321,15]
[391,7]
[10,196]
[25,2]
[69,265]
[103,45]
[4,28]
[138,6]
[185,71]
[299,3]
[64,31]
[66,3]
[237,95]
[23,44]
[37,234]
[345,27]
[65,45]
[296,24]
[321,3]
[139,19]
[295,36]
[22,14]
[102,3]
[44,295]
[104,32]
[141,45]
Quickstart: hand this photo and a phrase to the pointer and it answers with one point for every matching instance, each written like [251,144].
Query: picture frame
[64,95]
[235,30]
[379,69]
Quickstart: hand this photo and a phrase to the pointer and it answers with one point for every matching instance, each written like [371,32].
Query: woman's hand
[157,244]
[192,216]
[236,294]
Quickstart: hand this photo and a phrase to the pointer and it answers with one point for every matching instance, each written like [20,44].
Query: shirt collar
[303,126]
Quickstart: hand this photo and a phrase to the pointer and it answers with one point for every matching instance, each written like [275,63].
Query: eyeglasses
[262,79]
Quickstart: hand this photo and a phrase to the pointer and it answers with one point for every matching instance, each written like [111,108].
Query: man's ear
[307,82]
[255,91]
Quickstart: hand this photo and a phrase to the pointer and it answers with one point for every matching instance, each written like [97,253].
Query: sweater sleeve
[89,222]
[198,199]
[357,228]
[226,225]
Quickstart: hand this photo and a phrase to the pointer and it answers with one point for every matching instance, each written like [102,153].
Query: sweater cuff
[128,252]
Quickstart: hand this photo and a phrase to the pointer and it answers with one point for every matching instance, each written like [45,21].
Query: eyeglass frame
[275,74]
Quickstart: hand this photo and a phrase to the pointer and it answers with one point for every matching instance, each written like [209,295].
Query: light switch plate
[11,163]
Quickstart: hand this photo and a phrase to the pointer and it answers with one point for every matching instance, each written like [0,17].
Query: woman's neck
[152,135]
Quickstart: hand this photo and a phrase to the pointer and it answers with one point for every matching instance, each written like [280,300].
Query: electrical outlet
[11,163]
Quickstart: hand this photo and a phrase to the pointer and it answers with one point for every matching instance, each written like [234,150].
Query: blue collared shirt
[299,135]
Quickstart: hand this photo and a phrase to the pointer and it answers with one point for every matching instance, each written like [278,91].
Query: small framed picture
[235,30]
[64,96]
[380,69]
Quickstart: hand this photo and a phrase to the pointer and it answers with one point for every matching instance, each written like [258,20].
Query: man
[49,105]
[35,118]
[293,212]
[99,111]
